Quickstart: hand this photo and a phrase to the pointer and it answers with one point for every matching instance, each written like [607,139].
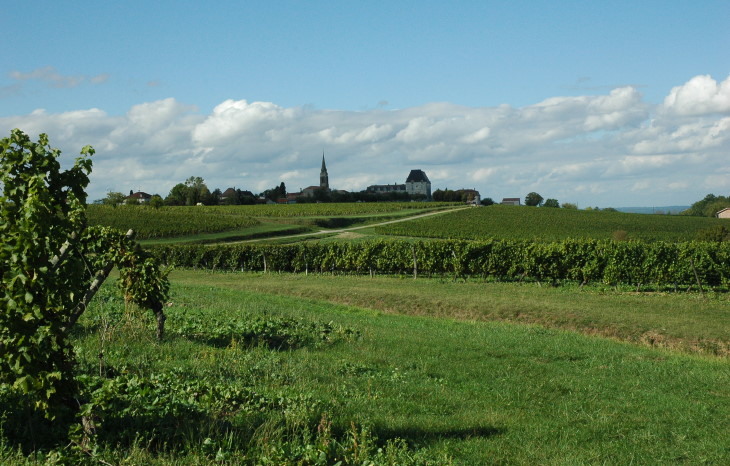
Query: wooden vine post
[415,262]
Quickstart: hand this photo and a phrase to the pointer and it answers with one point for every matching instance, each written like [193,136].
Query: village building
[511,201]
[724,213]
[139,196]
[229,193]
[472,196]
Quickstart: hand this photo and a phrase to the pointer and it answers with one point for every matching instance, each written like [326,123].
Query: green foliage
[113,199]
[717,233]
[447,195]
[709,206]
[612,262]
[48,259]
[42,207]
[551,203]
[178,195]
[533,199]
[156,201]
[275,333]
[166,222]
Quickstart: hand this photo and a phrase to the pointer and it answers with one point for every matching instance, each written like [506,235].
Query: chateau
[416,183]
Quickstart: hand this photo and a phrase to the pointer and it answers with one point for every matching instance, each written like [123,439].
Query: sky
[607,104]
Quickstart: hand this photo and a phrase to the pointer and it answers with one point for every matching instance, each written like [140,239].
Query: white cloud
[593,150]
[700,95]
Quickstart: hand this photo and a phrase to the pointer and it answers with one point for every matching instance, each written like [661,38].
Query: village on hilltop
[417,187]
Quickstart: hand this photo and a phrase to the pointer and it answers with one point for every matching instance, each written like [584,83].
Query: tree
[275,193]
[178,195]
[156,201]
[570,205]
[113,199]
[212,198]
[709,206]
[487,201]
[551,203]
[533,199]
[48,256]
[131,201]
[196,190]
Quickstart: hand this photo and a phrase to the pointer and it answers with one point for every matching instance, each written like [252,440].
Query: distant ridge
[672,209]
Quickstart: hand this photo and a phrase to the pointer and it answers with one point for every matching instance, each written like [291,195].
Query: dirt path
[361,227]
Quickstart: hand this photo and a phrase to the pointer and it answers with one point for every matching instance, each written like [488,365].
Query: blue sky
[597,103]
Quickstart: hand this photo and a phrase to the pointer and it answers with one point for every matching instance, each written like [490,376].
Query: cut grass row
[477,392]
[683,321]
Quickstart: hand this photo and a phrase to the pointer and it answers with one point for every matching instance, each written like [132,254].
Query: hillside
[548,224]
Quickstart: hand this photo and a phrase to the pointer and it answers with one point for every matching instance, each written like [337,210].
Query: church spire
[323,177]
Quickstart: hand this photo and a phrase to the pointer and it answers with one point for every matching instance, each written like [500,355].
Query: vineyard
[633,263]
[170,222]
[527,223]
[167,222]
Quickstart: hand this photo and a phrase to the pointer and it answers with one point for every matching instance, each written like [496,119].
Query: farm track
[349,229]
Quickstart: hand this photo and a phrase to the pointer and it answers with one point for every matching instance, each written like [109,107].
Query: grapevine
[50,265]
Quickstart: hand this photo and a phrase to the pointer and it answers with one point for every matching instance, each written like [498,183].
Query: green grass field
[425,362]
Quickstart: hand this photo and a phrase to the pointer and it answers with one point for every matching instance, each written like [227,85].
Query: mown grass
[261,230]
[469,391]
[550,224]
[685,321]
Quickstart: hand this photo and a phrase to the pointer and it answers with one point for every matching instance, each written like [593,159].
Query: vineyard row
[610,262]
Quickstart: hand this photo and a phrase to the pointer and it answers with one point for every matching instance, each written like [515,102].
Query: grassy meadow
[401,384]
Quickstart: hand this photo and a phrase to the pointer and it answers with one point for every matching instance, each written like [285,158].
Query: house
[724,213]
[139,196]
[229,193]
[291,198]
[472,196]
[511,201]
[309,190]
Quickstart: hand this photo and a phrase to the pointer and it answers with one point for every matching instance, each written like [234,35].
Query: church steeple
[323,177]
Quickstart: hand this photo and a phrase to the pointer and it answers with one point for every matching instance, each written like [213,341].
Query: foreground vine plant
[51,264]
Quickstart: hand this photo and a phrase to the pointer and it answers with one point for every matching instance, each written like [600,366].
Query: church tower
[324,182]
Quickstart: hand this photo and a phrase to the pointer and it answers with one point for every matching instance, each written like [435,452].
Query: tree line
[709,206]
[194,191]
